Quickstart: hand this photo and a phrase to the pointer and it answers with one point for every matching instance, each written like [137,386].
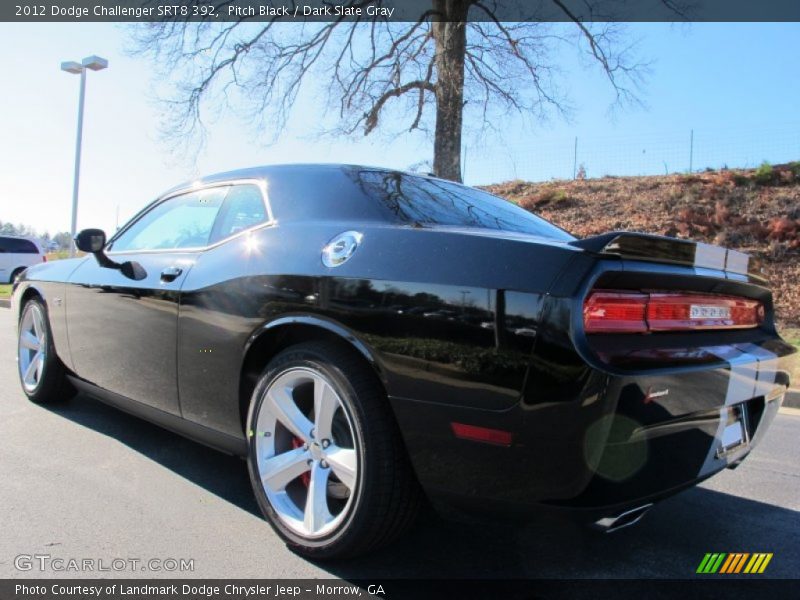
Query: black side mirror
[93,241]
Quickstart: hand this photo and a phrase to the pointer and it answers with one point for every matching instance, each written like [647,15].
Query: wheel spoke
[343,462]
[39,366]
[277,472]
[29,340]
[325,405]
[32,369]
[317,513]
[38,326]
[287,412]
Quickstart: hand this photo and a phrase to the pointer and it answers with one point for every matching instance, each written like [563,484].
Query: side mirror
[91,241]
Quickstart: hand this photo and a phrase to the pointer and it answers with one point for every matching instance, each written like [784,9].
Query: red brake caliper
[305,477]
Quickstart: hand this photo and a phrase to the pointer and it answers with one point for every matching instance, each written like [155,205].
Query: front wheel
[326,460]
[41,372]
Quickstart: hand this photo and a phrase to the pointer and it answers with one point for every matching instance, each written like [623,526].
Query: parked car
[17,254]
[607,373]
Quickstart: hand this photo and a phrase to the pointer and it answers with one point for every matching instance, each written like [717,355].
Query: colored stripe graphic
[758,563]
[711,562]
[734,563]
[724,563]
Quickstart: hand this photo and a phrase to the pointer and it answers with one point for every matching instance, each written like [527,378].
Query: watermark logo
[735,562]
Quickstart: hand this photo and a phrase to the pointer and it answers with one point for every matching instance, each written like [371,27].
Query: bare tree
[456,55]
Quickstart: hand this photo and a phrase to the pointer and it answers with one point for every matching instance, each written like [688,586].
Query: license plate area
[702,311]
[734,434]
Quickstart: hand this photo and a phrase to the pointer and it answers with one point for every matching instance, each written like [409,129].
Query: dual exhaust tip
[622,520]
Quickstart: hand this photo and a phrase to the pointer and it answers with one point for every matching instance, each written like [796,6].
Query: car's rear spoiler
[657,248]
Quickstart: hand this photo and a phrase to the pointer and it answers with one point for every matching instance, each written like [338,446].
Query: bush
[764,174]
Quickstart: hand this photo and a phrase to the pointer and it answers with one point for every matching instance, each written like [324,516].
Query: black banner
[397,10]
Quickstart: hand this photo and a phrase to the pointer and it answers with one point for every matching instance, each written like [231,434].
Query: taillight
[615,312]
[44,258]
[639,312]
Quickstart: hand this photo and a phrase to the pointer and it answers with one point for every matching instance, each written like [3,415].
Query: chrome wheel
[32,347]
[306,452]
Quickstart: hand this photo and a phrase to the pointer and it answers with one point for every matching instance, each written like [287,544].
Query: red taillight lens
[625,312]
[44,258]
[615,312]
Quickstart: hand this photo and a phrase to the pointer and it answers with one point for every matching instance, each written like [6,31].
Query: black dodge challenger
[367,338]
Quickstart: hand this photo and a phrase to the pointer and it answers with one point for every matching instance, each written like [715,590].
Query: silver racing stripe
[707,256]
[737,262]
[767,368]
[743,373]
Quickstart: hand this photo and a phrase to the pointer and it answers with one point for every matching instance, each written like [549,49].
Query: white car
[17,254]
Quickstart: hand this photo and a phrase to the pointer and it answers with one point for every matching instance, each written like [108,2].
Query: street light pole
[95,63]
[77,176]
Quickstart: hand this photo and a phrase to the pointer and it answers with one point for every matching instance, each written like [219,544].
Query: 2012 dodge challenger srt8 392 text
[367,338]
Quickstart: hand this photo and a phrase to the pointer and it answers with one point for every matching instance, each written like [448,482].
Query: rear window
[422,201]
[364,194]
[17,246]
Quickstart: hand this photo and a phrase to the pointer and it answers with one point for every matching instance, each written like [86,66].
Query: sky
[717,94]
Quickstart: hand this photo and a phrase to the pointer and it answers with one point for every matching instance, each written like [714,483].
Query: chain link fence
[646,154]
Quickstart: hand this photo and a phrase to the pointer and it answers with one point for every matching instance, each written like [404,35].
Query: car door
[123,331]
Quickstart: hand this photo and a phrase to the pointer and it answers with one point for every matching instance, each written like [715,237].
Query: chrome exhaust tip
[622,520]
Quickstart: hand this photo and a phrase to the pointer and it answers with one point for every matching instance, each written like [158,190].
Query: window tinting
[17,246]
[422,201]
[243,208]
[184,221]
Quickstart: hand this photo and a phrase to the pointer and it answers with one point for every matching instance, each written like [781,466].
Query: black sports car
[367,337]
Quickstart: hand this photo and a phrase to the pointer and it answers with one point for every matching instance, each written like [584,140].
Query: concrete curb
[792,399]
[5,303]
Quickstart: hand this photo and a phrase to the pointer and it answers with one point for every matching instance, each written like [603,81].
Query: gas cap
[341,248]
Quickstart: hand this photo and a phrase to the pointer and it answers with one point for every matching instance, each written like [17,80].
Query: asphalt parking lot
[83,480]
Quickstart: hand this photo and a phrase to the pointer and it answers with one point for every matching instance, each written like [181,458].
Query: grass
[792,335]
[5,290]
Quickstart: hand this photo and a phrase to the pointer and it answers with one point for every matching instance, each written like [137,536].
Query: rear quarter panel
[425,303]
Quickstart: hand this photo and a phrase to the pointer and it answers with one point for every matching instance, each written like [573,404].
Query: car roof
[20,237]
[265,171]
[36,241]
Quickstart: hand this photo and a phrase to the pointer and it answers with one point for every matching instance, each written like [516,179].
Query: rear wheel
[16,273]
[41,373]
[326,461]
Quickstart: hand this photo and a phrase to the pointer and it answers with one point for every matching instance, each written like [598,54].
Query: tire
[16,273]
[41,373]
[370,496]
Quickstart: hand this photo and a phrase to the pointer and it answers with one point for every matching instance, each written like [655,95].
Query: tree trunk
[450,36]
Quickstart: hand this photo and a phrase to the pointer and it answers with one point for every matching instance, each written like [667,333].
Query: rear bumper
[612,443]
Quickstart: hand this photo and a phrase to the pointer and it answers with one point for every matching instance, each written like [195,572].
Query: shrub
[764,174]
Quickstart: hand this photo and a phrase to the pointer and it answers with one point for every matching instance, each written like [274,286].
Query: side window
[243,208]
[27,247]
[17,246]
[184,221]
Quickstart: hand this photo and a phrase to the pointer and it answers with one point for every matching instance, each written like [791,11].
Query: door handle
[171,273]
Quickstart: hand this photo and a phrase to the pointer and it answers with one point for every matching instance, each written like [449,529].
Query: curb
[5,303]
[792,399]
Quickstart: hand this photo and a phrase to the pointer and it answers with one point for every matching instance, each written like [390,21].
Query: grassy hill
[756,211]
